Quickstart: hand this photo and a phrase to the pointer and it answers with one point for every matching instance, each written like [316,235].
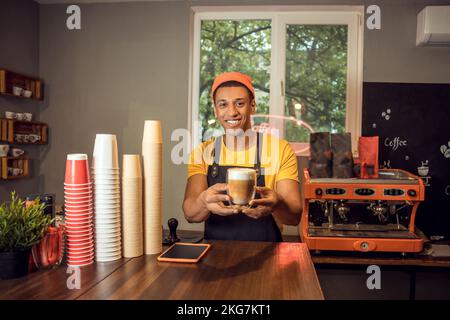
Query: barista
[277,199]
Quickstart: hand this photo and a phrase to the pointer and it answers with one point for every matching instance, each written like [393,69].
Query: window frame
[281,16]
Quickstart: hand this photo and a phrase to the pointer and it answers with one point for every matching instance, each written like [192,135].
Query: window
[306,65]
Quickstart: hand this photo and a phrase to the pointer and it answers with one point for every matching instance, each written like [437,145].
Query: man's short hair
[234,84]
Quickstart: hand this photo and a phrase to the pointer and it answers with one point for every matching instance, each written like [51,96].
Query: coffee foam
[241,174]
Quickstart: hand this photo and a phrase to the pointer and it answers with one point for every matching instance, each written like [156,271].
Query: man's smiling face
[233,107]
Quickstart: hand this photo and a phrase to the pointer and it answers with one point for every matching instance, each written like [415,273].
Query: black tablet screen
[179,251]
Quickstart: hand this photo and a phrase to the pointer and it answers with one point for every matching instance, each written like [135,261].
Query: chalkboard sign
[413,123]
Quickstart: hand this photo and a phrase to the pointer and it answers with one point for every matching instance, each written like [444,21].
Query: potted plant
[21,227]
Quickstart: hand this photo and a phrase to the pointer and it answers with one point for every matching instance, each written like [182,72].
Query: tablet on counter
[184,252]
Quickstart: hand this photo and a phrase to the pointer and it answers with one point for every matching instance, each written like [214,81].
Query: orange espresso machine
[362,214]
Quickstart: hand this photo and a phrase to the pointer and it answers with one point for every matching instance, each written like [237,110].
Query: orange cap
[232,76]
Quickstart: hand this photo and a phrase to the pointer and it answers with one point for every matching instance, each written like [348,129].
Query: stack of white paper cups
[106,176]
[132,233]
[152,161]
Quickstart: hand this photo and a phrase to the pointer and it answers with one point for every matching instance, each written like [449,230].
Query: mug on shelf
[27,93]
[10,115]
[34,138]
[28,116]
[4,148]
[16,152]
[25,138]
[17,91]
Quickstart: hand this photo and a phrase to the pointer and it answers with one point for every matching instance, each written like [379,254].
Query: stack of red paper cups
[79,211]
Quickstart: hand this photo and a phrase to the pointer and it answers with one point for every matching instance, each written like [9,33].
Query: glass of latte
[241,185]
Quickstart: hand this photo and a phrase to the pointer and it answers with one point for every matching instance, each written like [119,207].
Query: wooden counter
[230,270]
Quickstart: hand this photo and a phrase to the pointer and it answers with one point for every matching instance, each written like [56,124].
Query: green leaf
[21,227]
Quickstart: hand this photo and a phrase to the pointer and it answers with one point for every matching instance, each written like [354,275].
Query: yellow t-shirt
[278,160]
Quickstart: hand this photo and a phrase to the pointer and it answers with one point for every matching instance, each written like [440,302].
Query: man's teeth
[233,121]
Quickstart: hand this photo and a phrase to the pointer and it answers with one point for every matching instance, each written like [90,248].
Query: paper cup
[110,254]
[79,213]
[78,202]
[152,132]
[107,192]
[78,207]
[78,192]
[80,261]
[105,171]
[81,249]
[75,257]
[77,251]
[77,169]
[105,152]
[84,231]
[131,166]
[78,185]
[75,264]
[108,187]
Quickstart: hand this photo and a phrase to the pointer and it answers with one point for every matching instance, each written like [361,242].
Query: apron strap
[218,147]
[216,156]
[258,153]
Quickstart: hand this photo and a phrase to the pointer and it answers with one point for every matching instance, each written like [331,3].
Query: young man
[277,194]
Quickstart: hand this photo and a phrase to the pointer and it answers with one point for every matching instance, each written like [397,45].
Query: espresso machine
[365,215]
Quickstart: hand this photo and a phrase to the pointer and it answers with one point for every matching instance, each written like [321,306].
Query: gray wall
[19,51]
[130,62]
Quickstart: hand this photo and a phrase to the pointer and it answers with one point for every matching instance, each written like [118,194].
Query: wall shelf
[10,79]
[22,132]
[20,163]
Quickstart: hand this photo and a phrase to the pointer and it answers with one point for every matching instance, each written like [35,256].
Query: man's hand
[264,206]
[213,198]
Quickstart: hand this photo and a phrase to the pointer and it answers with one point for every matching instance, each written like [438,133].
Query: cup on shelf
[25,138]
[16,152]
[14,171]
[28,116]
[10,115]
[20,116]
[27,93]
[17,91]
[4,148]
[34,138]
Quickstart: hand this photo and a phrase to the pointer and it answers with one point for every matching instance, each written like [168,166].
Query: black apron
[239,226]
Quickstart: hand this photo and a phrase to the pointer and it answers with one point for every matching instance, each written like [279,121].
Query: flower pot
[14,264]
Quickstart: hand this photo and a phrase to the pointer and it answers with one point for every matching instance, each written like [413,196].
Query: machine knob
[319,192]
[412,193]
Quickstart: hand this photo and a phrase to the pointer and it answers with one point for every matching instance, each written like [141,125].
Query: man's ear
[214,107]
[252,105]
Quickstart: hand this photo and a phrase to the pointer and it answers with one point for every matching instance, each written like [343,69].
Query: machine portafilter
[379,209]
[342,209]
